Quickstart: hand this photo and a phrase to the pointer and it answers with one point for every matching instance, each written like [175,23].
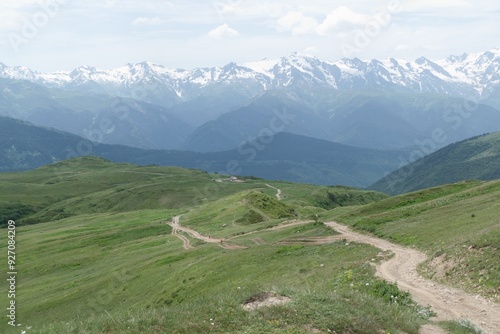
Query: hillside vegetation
[457,225]
[110,248]
[103,259]
[91,185]
[477,158]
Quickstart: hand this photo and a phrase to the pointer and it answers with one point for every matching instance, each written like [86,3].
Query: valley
[272,164]
[134,249]
[249,167]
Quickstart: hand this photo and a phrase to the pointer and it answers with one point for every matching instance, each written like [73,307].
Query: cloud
[12,13]
[402,47]
[147,21]
[223,31]
[340,19]
[311,50]
[416,5]
[297,23]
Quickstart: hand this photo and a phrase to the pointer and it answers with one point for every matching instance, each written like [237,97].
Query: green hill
[24,146]
[477,158]
[102,258]
[457,225]
[91,185]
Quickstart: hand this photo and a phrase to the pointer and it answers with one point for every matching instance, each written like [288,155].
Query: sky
[60,35]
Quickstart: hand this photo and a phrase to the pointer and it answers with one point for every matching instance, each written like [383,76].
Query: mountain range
[467,75]
[290,157]
[380,120]
[386,113]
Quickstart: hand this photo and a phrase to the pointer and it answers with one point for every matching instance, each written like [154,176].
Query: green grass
[100,271]
[92,185]
[462,326]
[237,214]
[476,158]
[102,258]
[456,224]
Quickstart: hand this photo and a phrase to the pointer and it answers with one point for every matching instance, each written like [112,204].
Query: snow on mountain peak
[263,66]
[460,75]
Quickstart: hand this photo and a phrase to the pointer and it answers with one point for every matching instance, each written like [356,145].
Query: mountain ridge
[24,146]
[468,75]
[476,158]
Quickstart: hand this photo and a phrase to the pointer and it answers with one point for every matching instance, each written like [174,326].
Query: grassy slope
[113,266]
[94,185]
[243,212]
[473,159]
[129,272]
[457,225]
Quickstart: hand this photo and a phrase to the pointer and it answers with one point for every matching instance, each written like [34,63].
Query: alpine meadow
[249,167]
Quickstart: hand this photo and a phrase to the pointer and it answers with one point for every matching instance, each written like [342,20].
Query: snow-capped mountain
[466,75]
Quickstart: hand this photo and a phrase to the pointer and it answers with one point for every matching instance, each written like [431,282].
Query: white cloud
[415,5]
[12,12]
[311,50]
[402,47]
[297,23]
[223,31]
[455,26]
[340,19]
[147,21]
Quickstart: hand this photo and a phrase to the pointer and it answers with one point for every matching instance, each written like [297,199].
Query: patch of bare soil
[431,329]
[265,299]
[440,265]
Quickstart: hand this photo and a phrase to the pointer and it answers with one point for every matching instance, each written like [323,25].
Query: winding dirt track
[186,244]
[194,234]
[278,191]
[449,303]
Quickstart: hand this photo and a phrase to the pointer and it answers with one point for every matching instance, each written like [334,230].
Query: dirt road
[278,191]
[186,244]
[176,226]
[449,303]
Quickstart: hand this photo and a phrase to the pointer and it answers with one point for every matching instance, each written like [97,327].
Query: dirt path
[196,235]
[176,227]
[449,303]
[186,244]
[278,191]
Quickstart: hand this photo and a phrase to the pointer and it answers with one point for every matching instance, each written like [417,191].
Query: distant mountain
[102,118]
[477,158]
[468,75]
[376,104]
[284,156]
[266,115]
[307,160]
[371,120]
